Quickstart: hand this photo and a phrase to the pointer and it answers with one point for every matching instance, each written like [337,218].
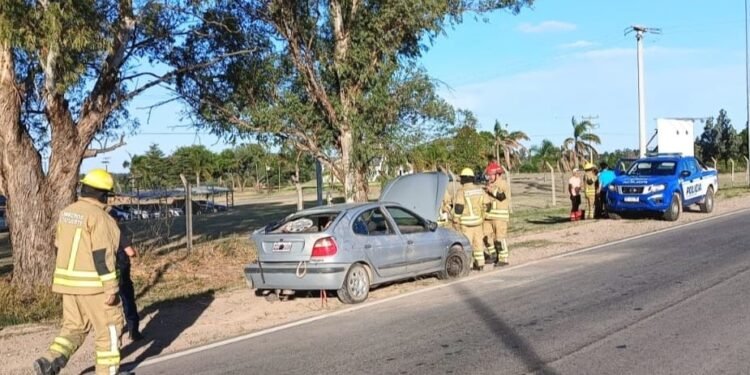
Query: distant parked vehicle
[119,213]
[210,207]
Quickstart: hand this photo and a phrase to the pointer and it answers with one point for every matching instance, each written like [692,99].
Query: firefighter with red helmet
[498,214]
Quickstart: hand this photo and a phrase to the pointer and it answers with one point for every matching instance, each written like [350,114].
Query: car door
[380,242]
[692,186]
[423,246]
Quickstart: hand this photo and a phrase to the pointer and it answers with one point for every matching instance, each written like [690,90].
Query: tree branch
[90,153]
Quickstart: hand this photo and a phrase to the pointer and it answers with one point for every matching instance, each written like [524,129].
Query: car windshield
[310,223]
[653,168]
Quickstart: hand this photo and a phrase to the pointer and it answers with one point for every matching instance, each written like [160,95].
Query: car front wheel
[456,265]
[673,213]
[356,286]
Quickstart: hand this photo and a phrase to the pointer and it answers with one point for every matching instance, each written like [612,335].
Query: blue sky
[559,59]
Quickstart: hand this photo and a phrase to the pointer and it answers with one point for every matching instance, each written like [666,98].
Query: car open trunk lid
[420,192]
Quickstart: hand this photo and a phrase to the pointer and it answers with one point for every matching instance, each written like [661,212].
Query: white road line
[298,323]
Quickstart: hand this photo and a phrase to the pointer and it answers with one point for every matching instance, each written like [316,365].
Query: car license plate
[631,199]
[282,247]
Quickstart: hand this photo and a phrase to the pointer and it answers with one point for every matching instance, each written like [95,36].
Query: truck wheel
[356,286]
[456,265]
[673,213]
[708,201]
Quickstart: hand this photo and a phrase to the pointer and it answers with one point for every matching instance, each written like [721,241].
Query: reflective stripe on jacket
[590,188]
[472,198]
[86,241]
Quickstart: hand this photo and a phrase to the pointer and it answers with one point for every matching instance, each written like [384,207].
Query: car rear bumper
[308,276]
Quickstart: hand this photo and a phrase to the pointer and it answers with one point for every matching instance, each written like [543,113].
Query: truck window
[653,168]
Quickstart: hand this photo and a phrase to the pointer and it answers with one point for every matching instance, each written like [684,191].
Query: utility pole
[747,87]
[639,31]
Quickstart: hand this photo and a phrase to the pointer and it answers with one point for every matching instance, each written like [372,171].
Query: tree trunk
[348,172]
[362,185]
[34,200]
[197,179]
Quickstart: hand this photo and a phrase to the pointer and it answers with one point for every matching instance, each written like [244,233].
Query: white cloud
[546,27]
[577,44]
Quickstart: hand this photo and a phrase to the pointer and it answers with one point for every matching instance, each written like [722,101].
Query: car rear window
[312,223]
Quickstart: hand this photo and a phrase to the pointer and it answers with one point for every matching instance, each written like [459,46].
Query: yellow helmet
[99,179]
[588,166]
[467,172]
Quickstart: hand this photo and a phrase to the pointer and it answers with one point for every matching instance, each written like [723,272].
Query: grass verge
[211,267]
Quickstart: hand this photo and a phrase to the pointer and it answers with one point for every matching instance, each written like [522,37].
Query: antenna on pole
[639,33]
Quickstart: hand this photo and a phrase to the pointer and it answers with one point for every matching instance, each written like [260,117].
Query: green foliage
[581,146]
[720,140]
[325,75]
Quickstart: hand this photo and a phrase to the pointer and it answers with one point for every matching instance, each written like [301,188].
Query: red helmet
[493,168]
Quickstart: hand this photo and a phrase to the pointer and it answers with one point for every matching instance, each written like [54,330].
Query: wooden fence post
[714,160]
[747,169]
[510,188]
[552,178]
[731,162]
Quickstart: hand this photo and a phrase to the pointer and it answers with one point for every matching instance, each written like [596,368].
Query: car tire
[708,201]
[674,210]
[614,216]
[356,286]
[456,265]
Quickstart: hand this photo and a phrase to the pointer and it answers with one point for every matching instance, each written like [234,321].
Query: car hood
[421,193]
[642,180]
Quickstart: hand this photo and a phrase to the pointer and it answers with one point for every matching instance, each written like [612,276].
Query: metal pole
[641,99]
[747,83]
[189,216]
[319,181]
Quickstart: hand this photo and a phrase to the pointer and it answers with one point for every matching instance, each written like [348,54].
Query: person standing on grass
[606,176]
[127,292]
[86,241]
[574,189]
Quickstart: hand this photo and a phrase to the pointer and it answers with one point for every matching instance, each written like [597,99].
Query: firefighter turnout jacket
[86,241]
[499,203]
[469,205]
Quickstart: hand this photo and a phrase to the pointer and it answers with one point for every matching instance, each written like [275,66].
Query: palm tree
[510,143]
[583,141]
[547,152]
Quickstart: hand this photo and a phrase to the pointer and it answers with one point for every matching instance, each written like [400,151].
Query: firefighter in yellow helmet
[468,209]
[87,239]
[446,207]
[591,186]
[498,214]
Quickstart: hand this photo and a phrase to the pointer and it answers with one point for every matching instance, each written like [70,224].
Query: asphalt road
[676,302]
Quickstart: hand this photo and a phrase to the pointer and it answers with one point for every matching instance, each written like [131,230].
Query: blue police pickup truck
[663,184]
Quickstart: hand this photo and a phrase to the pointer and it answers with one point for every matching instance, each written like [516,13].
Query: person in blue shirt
[606,176]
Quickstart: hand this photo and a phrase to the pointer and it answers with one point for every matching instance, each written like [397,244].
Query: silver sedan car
[351,247]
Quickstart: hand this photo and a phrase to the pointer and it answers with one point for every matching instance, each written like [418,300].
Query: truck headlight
[656,188]
[611,188]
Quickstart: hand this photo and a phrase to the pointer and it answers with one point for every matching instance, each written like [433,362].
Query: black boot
[43,366]
[135,334]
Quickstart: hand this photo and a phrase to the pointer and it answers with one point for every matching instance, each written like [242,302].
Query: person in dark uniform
[127,293]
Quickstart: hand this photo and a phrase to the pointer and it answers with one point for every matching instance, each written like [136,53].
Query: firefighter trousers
[476,238]
[81,313]
[495,232]
[590,205]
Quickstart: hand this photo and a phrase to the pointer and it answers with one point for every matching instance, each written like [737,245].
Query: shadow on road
[549,220]
[507,335]
[171,318]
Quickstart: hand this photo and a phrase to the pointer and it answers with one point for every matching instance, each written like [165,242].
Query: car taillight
[324,247]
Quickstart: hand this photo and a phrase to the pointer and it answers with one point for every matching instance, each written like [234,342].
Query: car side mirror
[432,226]
[685,174]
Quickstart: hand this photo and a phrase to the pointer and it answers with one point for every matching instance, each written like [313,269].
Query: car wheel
[356,286]
[456,265]
[614,216]
[708,201]
[673,213]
